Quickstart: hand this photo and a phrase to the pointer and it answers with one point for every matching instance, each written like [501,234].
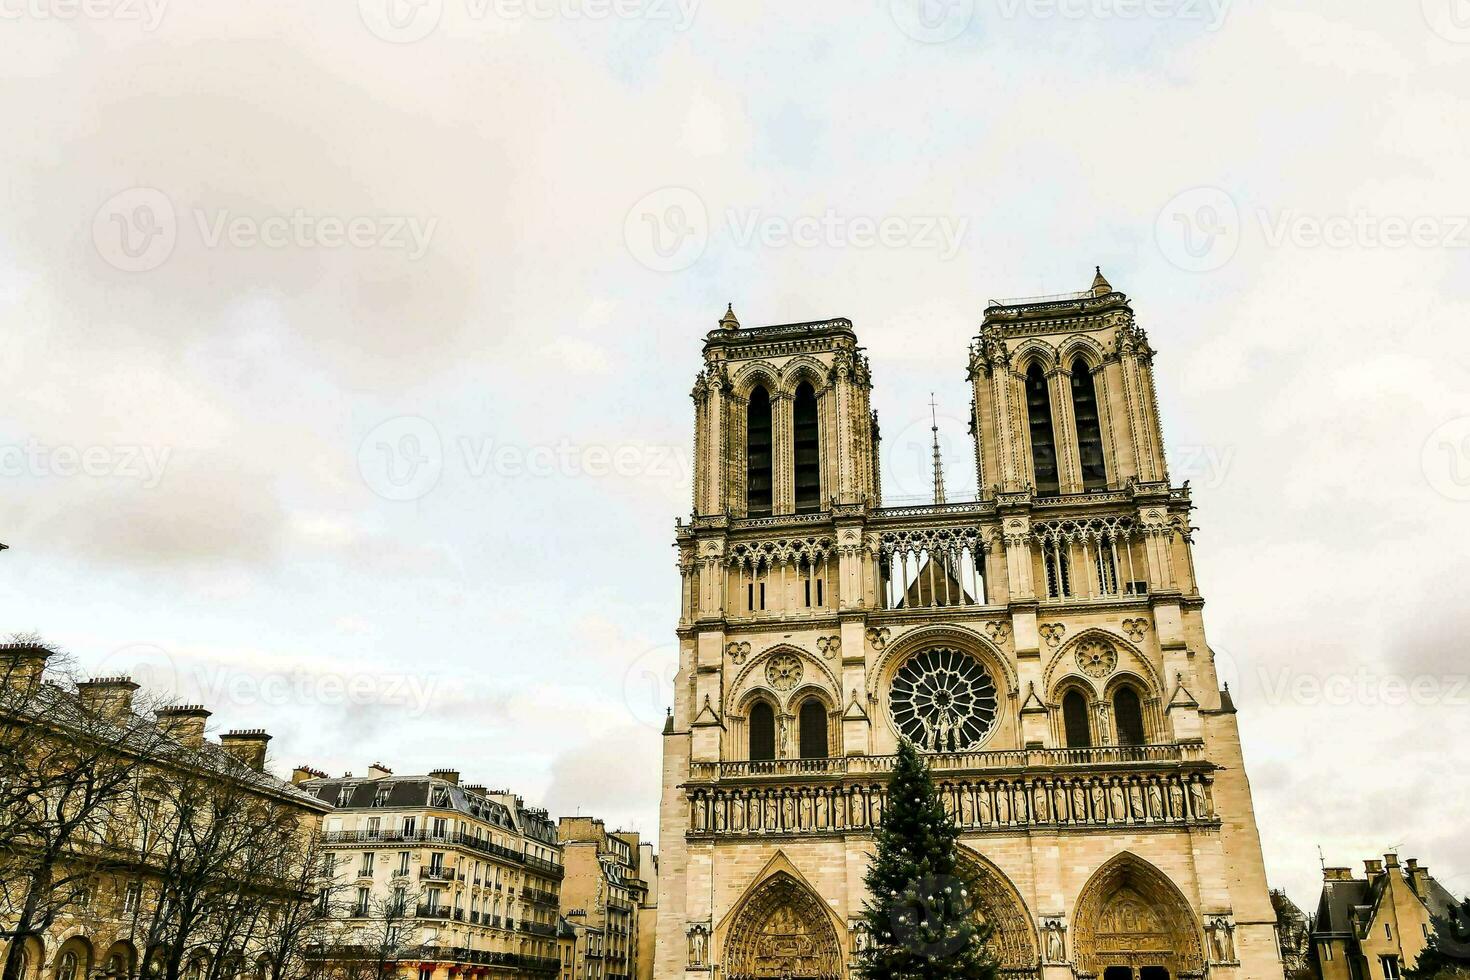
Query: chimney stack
[247,745]
[109,697]
[184,723]
[22,664]
[301,774]
[1418,878]
[1337,874]
[1373,869]
[379,771]
[448,775]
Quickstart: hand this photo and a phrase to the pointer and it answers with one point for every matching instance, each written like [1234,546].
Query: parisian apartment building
[605,891]
[442,878]
[91,881]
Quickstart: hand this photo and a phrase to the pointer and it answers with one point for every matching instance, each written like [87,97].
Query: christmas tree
[919,918]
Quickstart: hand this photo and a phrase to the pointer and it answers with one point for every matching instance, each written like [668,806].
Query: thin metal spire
[938,465]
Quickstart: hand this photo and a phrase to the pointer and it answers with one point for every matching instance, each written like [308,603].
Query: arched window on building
[1076,721]
[67,966]
[806,450]
[1043,446]
[1089,428]
[758,454]
[1128,716]
[813,721]
[762,732]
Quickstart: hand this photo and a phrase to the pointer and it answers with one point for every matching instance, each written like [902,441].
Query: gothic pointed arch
[780,928]
[998,903]
[1131,915]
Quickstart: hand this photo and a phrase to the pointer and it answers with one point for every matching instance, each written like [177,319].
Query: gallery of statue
[1043,643]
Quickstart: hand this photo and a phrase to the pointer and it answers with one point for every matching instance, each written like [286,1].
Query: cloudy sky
[348,346]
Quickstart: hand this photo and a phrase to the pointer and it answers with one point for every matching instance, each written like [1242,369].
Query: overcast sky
[348,347]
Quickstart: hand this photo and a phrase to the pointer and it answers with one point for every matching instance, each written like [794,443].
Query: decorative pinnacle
[938,465]
[1100,284]
[728,321]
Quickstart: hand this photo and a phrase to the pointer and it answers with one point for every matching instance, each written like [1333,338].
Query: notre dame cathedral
[1044,643]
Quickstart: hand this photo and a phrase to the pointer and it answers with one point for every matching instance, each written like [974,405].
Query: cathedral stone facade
[1043,643]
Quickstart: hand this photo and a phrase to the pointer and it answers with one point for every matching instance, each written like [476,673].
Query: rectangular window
[403,862]
[367,865]
[440,828]
[362,902]
[436,861]
[820,602]
[409,824]
[131,896]
[1390,967]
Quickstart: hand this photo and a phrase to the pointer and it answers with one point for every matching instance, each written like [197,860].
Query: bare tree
[69,774]
[222,856]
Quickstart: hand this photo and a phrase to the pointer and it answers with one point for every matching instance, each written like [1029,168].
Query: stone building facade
[1375,927]
[1044,643]
[131,769]
[605,885]
[448,881]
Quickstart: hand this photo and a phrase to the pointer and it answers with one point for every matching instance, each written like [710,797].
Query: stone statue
[1155,800]
[1221,932]
[1176,800]
[1056,943]
[1197,799]
[783,738]
[698,945]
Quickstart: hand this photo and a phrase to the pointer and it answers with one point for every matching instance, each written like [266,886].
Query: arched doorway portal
[997,903]
[782,932]
[1133,924]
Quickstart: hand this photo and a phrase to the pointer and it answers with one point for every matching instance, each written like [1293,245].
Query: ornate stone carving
[784,671]
[697,936]
[1052,633]
[1096,657]
[878,637]
[737,652]
[782,930]
[944,700]
[1220,932]
[1135,628]
[1054,928]
[1131,915]
[996,903]
[999,632]
[829,646]
[996,803]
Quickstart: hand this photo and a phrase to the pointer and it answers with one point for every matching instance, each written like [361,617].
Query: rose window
[943,700]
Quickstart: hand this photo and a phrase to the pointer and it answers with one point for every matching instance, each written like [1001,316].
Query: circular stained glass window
[943,701]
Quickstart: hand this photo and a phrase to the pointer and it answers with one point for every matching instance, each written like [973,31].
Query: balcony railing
[431,873]
[446,839]
[433,911]
[997,760]
[539,897]
[537,928]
